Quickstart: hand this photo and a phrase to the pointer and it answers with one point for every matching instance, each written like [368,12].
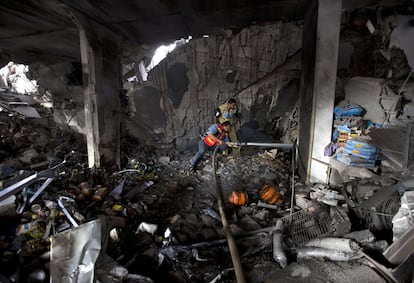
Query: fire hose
[234,252]
[286,146]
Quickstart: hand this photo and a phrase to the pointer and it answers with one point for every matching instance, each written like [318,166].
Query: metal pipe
[293,180]
[48,173]
[17,187]
[265,205]
[41,189]
[278,253]
[235,256]
[66,212]
[274,145]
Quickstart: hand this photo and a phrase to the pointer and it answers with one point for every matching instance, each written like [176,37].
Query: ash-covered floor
[155,220]
[167,225]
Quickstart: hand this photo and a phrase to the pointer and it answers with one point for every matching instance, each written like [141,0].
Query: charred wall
[256,65]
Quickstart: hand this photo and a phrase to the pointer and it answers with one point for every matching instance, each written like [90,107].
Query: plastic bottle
[26,227]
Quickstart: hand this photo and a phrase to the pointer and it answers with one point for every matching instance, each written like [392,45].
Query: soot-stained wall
[177,82]
[258,66]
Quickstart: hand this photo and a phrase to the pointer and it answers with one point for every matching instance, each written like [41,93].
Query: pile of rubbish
[154,221]
[15,76]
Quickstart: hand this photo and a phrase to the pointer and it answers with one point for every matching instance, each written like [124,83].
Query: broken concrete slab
[397,143]
[369,93]
[27,111]
[347,173]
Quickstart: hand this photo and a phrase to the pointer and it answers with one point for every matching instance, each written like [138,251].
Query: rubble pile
[156,221]
[30,142]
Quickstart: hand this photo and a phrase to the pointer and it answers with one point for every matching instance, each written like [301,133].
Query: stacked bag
[357,153]
[350,137]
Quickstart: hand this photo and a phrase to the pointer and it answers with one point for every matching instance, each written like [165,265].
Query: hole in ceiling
[160,53]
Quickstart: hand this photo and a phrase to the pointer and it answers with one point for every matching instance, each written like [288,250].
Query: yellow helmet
[226,121]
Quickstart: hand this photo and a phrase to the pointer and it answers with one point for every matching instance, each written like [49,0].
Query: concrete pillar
[320,59]
[90,101]
[102,80]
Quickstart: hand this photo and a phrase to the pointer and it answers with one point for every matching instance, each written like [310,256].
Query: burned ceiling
[45,31]
[36,30]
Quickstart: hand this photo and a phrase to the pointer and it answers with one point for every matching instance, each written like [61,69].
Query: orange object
[237,198]
[270,195]
[100,193]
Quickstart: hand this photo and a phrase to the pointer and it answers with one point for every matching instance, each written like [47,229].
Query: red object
[237,198]
[270,195]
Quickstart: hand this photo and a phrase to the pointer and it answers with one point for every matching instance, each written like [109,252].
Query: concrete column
[90,101]
[320,59]
[102,80]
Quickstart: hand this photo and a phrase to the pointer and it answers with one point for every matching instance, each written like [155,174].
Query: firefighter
[217,135]
[228,111]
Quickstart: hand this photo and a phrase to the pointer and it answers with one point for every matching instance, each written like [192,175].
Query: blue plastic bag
[351,109]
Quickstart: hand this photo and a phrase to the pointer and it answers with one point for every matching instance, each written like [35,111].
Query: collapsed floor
[155,221]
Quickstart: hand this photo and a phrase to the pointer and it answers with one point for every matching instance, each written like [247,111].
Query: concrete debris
[302,202]
[28,155]
[361,237]
[247,223]
[164,159]
[14,76]
[271,153]
[161,222]
[404,219]
[108,270]
[27,111]
[340,222]
[323,194]
[170,231]
[154,195]
[408,110]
